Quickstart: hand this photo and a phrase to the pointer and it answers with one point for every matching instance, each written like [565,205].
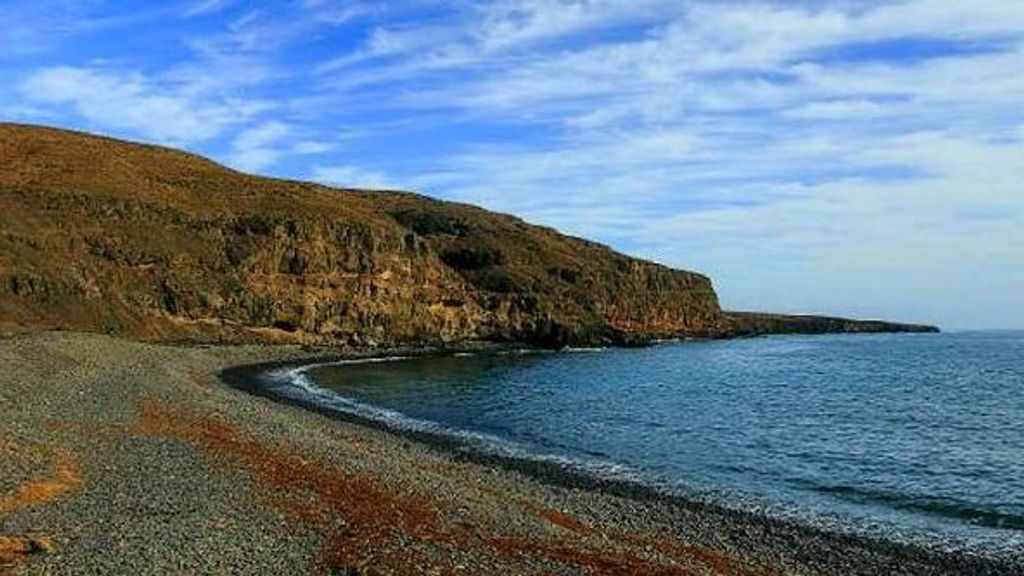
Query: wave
[969,512]
[296,383]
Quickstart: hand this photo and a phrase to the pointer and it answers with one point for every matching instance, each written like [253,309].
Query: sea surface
[917,437]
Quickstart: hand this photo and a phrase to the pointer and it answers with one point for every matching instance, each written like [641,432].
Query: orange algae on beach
[359,516]
[368,527]
[718,563]
[65,478]
[17,549]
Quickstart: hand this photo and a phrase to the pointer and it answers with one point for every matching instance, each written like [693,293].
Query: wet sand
[125,458]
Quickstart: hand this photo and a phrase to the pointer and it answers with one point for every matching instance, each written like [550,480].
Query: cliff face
[156,244]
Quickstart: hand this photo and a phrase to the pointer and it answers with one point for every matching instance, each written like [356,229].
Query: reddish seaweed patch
[557,517]
[370,528]
[689,555]
[360,517]
[64,478]
[17,549]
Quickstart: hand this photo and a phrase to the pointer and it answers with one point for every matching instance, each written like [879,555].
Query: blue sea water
[919,436]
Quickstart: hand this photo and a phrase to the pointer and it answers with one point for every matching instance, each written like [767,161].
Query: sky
[842,157]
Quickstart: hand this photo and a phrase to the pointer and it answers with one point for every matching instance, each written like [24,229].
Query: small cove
[917,437]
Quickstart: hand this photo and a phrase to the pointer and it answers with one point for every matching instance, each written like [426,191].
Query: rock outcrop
[156,244]
[757,323]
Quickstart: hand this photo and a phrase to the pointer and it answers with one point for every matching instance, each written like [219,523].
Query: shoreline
[252,380]
[126,457]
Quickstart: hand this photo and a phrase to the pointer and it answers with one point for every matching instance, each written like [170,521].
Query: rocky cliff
[155,244]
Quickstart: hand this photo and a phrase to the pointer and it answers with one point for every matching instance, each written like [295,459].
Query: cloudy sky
[844,157]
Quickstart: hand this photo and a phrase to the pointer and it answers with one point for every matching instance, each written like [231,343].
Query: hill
[156,244]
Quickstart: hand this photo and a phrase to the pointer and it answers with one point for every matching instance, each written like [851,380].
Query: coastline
[173,458]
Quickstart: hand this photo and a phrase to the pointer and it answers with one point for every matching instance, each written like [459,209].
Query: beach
[119,457]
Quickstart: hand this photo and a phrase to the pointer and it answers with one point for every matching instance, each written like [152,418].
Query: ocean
[913,437]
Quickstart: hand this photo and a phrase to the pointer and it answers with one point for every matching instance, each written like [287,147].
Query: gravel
[140,461]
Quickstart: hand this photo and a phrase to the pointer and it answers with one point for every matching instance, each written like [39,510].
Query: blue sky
[844,157]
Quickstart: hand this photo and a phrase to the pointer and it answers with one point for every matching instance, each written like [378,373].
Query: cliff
[156,244]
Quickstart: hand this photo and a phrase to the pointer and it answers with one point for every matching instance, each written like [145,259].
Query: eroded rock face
[155,244]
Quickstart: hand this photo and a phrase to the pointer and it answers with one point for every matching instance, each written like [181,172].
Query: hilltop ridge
[151,243]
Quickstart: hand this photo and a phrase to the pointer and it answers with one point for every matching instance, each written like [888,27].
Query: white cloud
[312,147]
[134,103]
[351,177]
[33,28]
[262,135]
[513,24]
[258,147]
[845,109]
[253,160]
[659,72]
[263,145]
[206,7]
[943,248]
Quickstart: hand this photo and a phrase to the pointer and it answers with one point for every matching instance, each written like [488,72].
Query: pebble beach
[120,457]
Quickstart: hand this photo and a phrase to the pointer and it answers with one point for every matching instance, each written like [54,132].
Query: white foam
[295,383]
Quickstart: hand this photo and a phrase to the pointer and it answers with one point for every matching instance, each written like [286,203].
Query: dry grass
[168,246]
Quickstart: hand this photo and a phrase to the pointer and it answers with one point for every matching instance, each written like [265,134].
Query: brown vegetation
[152,243]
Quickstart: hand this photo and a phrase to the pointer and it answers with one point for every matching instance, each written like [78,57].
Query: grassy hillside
[156,244]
